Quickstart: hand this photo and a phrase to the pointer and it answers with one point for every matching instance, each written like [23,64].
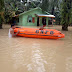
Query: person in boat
[11,31]
[42,27]
[44,23]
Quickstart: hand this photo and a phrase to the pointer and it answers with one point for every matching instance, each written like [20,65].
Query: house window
[33,20]
[30,18]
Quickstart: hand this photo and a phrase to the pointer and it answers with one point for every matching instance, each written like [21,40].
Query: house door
[44,21]
[37,21]
[50,21]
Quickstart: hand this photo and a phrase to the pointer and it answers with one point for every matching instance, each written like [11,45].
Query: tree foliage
[62,9]
[65,14]
[1,12]
[45,5]
[13,7]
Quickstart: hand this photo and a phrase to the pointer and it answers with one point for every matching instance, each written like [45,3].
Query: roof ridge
[30,10]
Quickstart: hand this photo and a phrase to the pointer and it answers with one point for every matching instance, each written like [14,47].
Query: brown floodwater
[21,54]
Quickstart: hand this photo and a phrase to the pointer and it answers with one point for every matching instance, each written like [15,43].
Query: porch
[42,18]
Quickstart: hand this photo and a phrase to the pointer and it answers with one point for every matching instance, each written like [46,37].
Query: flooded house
[34,17]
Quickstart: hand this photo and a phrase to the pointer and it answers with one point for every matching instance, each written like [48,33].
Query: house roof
[43,15]
[46,14]
[30,11]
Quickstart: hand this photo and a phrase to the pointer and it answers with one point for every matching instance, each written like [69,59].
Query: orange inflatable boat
[36,33]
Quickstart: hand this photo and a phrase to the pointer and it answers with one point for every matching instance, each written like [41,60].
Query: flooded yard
[20,54]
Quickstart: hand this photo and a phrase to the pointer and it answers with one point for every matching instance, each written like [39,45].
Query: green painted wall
[23,18]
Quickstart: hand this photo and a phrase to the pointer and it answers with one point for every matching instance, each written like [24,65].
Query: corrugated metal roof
[43,15]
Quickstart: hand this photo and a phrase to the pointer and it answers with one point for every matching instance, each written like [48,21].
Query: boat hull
[36,33]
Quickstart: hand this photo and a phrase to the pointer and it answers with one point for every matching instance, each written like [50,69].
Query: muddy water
[21,54]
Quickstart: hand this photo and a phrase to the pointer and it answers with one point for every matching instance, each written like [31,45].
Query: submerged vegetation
[62,9]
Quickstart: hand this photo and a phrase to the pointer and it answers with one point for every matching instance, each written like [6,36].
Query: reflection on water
[18,58]
[69,64]
[37,60]
[21,54]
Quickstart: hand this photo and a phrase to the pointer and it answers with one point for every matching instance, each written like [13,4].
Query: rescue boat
[36,33]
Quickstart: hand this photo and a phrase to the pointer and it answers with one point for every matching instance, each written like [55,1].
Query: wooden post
[39,21]
[52,21]
[47,21]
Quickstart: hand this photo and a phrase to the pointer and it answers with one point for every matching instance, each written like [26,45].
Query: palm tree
[13,7]
[45,5]
[65,14]
[1,11]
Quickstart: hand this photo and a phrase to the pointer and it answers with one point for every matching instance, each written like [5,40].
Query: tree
[1,11]
[32,4]
[13,7]
[65,14]
[71,18]
[71,12]
[45,5]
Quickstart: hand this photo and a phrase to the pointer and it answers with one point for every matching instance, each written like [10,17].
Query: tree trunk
[52,10]
[0,22]
[0,26]
[65,27]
